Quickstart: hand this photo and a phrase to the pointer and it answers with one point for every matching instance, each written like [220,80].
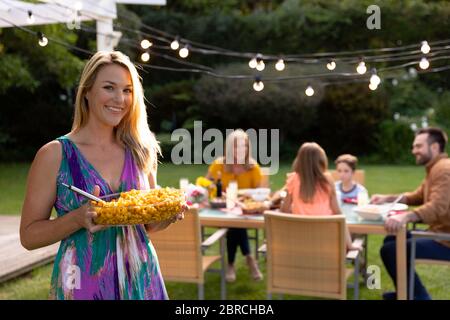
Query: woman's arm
[36,228]
[286,204]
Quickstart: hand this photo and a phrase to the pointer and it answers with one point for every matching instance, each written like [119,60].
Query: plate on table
[374,212]
[257,194]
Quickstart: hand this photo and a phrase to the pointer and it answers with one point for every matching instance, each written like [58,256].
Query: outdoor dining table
[217,218]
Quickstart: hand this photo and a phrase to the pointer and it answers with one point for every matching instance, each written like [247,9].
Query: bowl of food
[139,206]
[371,212]
[250,206]
[217,203]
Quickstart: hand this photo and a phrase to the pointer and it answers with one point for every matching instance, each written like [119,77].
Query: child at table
[310,188]
[346,186]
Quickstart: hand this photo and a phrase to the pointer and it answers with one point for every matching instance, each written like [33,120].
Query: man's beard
[424,158]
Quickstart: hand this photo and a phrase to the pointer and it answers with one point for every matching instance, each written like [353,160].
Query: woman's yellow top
[248,179]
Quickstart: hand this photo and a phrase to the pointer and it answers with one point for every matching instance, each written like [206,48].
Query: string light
[145,44]
[252,63]
[331,65]
[184,52]
[373,86]
[374,78]
[145,56]
[260,66]
[425,48]
[258,85]
[174,45]
[30,18]
[280,65]
[78,6]
[424,63]
[43,41]
[309,91]
[361,68]
[259,62]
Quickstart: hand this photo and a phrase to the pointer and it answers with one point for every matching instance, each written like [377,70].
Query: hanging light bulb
[361,68]
[30,18]
[259,62]
[425,48]
[373,86]
[174,45]
[78,6]
[309,91]
[280,65]
[252,63]
[331,65]
[145,44]
[260,66]
[258,85]
[43,41]
[424,63]
[145,56]
[184,52]
[374,78]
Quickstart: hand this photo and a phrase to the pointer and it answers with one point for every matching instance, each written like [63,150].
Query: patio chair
[359,176]
[418,234]
[306,255]
[180,253]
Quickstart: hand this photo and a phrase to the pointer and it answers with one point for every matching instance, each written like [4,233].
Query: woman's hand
[86,214]
[158,226]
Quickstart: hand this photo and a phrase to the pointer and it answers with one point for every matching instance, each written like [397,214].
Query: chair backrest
[306,255]
[359,176]
[178,248]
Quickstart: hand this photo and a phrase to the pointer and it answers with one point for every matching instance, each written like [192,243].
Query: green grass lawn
[379,179]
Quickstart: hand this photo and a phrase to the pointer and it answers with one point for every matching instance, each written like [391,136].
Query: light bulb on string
[361,68]
[374,78]
[259,62]
[30,18]
[174,45]
[258,85]
[43,41]
[252,63]
[373,86]
[331,65]
[260,66]
[309,91]
[425,48]
[279,66]
[78,6]
[145,56]
[424,63]
[184,52]
[145,44]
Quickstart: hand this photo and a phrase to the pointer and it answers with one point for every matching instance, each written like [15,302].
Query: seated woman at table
[310,188]
[239,166]
[346,186]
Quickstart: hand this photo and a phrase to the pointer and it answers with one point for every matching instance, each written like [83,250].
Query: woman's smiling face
[111,95]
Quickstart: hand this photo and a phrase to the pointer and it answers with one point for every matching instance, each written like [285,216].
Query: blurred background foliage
[38,85]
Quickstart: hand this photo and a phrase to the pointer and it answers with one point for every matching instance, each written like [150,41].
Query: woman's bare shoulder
[49,155]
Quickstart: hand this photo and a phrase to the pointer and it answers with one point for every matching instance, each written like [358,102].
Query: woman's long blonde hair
[230,142]
[133,130]
[311,164]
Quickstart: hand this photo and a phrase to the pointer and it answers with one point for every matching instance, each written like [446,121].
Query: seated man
[433,199]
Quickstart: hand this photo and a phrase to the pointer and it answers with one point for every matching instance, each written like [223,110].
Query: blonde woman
[109,149]
[310,189]
[239,166]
